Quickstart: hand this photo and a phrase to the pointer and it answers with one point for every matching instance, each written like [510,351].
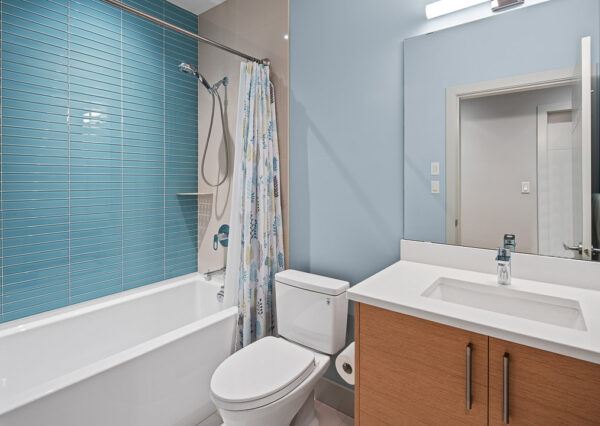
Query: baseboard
[335,395]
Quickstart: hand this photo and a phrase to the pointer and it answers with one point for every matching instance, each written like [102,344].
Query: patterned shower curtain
[256,235]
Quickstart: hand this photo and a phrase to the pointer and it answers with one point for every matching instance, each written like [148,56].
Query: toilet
[272,381]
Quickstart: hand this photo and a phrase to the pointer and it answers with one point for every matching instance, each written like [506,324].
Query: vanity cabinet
[411,371]
[544,388]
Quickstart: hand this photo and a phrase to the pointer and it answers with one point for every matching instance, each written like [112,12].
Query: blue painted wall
[528,40]
[99,132]
[345,137]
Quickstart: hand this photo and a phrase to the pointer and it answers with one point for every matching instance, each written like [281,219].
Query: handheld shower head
[190,69]
[187,68]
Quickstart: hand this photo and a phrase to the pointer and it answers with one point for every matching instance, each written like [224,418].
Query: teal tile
[60,301]
[114,287]
[89,205]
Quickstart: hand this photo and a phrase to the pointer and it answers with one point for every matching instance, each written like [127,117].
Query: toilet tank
[311,310]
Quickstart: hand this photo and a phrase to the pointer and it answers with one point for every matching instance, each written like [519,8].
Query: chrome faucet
[208,274]
[503,260]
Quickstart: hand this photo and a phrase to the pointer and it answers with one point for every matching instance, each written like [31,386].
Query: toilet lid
[263,371]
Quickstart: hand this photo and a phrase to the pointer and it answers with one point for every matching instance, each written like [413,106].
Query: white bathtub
[142,357]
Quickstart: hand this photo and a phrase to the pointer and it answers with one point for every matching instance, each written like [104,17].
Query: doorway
[501,190]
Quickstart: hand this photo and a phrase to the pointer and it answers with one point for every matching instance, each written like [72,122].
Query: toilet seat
[260,374]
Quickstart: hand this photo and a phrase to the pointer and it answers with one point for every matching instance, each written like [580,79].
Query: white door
[582,155]
[555,179]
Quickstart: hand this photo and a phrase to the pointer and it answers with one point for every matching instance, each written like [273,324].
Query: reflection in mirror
[508,111]
[499,187]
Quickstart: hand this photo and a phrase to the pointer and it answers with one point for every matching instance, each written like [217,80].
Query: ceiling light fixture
[443,7]
[498,5]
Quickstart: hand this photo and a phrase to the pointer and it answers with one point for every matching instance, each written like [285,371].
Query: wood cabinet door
[544,388]
[414,372]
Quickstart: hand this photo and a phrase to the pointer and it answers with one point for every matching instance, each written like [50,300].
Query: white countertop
[400,287]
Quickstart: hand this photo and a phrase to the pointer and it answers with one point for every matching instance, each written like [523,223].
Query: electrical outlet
[435,168]
[435,186]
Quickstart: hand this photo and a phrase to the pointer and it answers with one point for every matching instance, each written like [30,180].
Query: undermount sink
[505,300]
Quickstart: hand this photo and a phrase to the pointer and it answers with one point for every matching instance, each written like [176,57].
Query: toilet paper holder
[344,364]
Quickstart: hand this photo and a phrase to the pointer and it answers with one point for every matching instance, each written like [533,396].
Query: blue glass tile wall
[99,133]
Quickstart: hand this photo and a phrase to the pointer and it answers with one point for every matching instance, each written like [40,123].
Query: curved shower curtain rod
[201,39]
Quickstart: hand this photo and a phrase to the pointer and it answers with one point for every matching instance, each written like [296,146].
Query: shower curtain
[255,251]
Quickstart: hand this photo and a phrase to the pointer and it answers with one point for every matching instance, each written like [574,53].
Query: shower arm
[199,38]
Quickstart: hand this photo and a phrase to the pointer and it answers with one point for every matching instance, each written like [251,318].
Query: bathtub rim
[52,386]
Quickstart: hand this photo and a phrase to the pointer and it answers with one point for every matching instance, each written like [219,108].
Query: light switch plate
[435,186]
[525,187]
[435,168]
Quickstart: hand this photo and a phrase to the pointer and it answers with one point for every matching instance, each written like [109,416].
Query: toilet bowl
[272,381]
[278,391]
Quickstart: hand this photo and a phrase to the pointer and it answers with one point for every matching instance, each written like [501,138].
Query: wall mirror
[501,140]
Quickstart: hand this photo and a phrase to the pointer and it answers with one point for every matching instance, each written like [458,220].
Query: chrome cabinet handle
[469,349]
[505,389]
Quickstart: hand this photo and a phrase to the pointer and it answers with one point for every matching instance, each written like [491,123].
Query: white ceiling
[197,6]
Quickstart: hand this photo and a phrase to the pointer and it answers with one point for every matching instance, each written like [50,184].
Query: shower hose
[215,91]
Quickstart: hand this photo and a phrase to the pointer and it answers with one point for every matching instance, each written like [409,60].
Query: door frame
[454,95]
[586,146]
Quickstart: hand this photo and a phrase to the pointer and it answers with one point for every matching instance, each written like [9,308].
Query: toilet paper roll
[344,364]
